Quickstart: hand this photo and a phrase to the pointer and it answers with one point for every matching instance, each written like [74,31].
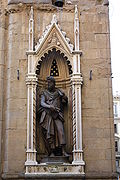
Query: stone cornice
[29,1]
[16,8]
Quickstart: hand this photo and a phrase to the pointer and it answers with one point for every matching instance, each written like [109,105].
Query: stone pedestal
[57,169]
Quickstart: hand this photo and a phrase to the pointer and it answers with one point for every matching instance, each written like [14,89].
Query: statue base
[54,169]
[55,159]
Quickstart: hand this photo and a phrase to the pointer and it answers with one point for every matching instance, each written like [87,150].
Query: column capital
[31,79]
[77,79]
[76,52]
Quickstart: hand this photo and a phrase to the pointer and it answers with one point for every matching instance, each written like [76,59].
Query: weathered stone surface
[28,1]
[97,110]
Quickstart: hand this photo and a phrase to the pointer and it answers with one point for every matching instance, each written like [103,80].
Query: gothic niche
[56,64]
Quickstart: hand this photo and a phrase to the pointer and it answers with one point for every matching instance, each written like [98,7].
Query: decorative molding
[29,1]
[43,169]
[19,7]
[31,79]
[78,52]
[77,79]
[12,11]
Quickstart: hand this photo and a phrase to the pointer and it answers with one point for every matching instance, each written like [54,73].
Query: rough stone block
[99,166]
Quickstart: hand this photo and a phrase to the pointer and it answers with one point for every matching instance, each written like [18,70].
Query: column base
[82,163]
[27,163]
[31,157]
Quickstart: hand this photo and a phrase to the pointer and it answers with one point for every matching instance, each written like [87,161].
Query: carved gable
[53,36]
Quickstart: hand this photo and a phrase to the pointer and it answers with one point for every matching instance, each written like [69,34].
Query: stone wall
[97,113]
[2,65]
[97,109]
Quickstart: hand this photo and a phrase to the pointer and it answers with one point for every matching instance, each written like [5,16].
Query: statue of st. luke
[52,119]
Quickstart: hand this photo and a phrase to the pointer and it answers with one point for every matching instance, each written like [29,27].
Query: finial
[76,11]
[54,19]
[31,12]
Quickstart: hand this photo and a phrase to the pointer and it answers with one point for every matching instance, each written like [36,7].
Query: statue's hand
[52,108]
[64,99]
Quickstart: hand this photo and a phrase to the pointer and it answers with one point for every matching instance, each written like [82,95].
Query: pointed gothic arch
[56,53]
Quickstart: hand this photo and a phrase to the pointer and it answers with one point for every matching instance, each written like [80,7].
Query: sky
[114,14]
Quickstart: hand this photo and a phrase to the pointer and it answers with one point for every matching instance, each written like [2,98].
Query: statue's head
[51,82]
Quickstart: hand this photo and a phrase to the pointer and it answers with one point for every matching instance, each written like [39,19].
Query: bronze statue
[52,119]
